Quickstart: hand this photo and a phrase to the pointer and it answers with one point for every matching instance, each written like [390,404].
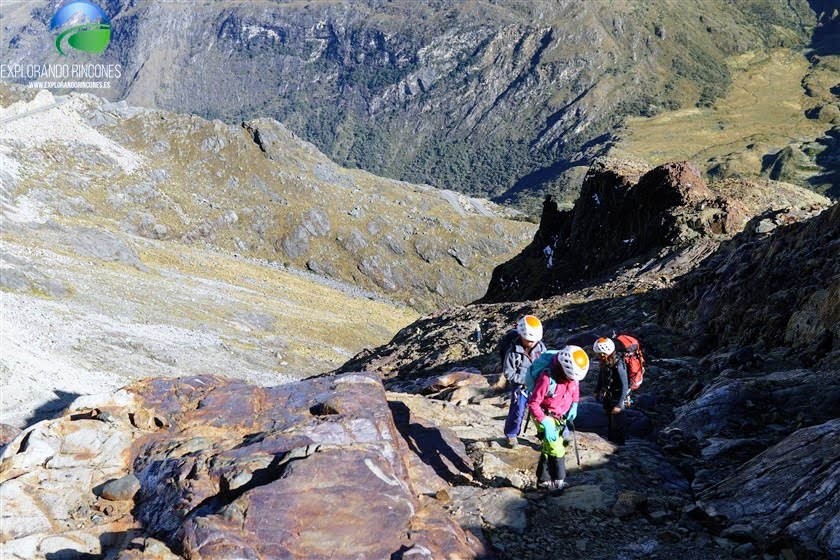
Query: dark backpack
[505,343]
[634,359]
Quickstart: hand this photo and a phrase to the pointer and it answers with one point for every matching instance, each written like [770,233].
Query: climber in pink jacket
[553,401]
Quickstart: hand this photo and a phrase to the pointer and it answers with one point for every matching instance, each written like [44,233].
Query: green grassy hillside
[780,119]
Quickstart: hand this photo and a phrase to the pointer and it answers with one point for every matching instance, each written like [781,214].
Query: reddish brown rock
[314,469]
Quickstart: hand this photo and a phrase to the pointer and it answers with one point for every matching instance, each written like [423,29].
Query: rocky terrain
[220,469]
[628,213]
[174,288]
[254,190]
[741,336]
[143,243]
[426,95]
[732,451]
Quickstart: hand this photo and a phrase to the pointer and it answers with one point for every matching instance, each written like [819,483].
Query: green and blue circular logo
[82,26]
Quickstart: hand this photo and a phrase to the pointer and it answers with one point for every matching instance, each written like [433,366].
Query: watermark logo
[82,26]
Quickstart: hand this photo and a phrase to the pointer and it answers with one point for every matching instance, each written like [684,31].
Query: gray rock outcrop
[789,492]
[779,290]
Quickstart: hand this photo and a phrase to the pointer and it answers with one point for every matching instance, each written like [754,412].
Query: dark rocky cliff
[628,215]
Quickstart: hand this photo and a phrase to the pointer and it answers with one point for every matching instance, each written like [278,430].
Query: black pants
[617,427]
[551,468]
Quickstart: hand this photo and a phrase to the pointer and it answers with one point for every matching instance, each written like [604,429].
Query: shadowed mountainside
[627,214]
[427,94]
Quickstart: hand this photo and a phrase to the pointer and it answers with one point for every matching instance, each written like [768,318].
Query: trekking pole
[574,438]
[527,421]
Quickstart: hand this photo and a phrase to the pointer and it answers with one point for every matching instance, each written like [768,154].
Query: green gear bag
[552,448]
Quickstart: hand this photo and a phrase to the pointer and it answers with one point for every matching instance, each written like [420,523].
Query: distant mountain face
[502,99]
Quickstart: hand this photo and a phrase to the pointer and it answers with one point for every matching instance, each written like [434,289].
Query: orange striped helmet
[530,328]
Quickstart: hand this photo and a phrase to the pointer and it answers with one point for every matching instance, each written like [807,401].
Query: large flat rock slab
[790,491]
[314,469]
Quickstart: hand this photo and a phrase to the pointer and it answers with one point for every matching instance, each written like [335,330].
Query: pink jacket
[565,393]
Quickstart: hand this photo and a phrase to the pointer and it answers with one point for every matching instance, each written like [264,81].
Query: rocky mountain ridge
[254,190]
[627,214]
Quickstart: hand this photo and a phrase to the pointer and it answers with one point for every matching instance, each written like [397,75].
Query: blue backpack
[542,364]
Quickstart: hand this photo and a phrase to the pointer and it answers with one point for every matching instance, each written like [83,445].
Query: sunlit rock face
[222,469]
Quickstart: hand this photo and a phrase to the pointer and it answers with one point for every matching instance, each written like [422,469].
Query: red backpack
[634,359]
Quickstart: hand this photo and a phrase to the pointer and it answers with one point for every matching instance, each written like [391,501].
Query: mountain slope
[741,377]
[683,241]
[254,190]
[427,94]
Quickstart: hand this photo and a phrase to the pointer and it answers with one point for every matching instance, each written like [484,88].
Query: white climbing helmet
[530,328]
[604,346]
[574,362]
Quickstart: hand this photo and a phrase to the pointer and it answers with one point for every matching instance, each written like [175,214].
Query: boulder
[104,245]
[295,244]
[628,503]
[790,491]
[586,497]
[311,469]
[120,489]
[316,222]
[354,241]
[496,469]
[475,508]
[744,403]
[270,136]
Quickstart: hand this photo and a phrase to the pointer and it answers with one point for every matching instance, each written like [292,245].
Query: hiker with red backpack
[553,402]
[622,370]
[519,348]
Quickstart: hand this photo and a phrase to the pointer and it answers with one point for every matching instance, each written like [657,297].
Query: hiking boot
[545,484]
[512,442]
[556,487]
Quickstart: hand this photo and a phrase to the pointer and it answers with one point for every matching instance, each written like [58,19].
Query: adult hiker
[521,352]
[622,369]
[553,402]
